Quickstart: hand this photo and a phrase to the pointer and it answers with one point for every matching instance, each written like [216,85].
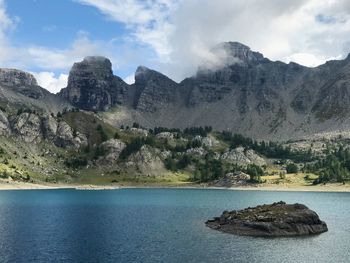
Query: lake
[158,225]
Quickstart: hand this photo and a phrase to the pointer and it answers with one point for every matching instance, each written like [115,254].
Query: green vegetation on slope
[193,155]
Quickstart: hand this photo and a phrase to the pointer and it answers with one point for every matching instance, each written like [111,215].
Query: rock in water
[275,220]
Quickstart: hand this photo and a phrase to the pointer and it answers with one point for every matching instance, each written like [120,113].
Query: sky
[45,37]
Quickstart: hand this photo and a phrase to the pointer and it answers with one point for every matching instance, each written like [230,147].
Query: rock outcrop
[33,128]
[67,137]
[92,85]
[112,148]
[275,220]
[28,127]
[4,124]
[147,161]
[242,156]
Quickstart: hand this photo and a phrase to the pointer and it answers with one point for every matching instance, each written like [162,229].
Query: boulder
[274,220]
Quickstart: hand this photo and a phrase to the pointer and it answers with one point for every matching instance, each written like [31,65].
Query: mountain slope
[244,92]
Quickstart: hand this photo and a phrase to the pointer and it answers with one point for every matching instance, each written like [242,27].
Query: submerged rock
[275,220]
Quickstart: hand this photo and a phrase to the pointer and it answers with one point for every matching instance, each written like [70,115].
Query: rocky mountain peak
[142,70]
[94,65]
[144,74]
[152,89]
[235,50]
[14,77]
[92,85]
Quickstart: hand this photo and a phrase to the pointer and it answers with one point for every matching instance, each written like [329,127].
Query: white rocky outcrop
[242,156]
[112,148]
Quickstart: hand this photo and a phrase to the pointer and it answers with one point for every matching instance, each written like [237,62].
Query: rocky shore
[273,220]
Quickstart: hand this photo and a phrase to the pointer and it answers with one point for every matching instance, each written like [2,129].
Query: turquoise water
[158,225]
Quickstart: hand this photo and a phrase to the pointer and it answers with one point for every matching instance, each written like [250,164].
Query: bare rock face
[92,85]
[28,127]
[112,148]
[275,220]
[22,82]
[147,161]
[153,90]
[49,125]
[243,92]
[33,128]
[242,156]
[14,77]
[4,124]
[19,89]
[66,137]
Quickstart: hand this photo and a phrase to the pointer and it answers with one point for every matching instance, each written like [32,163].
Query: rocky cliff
[92,85]
[244,92]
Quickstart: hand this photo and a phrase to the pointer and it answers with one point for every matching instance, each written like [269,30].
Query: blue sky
[54,23]
[46,37]
[57,24]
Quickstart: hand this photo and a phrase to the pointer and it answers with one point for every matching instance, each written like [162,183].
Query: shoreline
[332,187]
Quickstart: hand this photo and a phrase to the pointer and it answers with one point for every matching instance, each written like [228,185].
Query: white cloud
[309,60]
[6,24]
[51,59]
[130,79]
[182,33]
[49,81]
[148,20]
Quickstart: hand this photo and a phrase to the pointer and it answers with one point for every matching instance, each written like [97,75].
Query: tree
[103,134]
[255,172]
[116,136]
[292,168]
[170,164]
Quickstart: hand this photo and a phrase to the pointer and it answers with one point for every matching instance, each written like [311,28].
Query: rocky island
[274,220]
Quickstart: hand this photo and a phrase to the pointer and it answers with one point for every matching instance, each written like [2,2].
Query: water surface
[158,225]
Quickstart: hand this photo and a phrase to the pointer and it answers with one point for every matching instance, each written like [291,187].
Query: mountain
[244,93]
[19,89]
[76,135]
